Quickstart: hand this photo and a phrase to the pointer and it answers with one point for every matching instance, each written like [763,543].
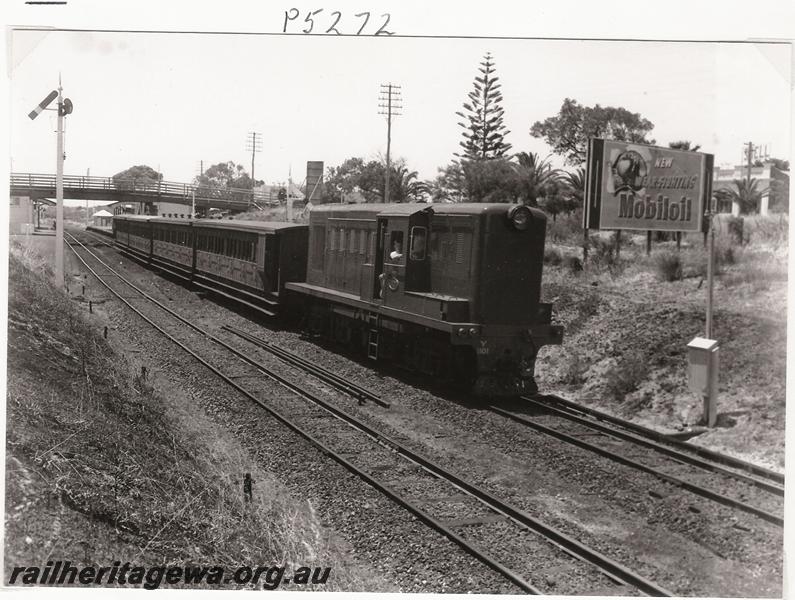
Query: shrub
[725,253]
[574,368]
[625,376]
[567,228]
[572,263]
[734,225]
[590,304]
[552,256]
[602,251]
[669,265]
[771,229]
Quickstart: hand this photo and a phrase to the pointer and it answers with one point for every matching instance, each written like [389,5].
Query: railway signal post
[64,108]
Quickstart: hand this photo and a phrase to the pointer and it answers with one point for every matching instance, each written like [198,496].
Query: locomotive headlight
[473,332]
[520,217]
[462,331]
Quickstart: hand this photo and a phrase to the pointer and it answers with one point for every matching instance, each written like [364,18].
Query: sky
[173,100]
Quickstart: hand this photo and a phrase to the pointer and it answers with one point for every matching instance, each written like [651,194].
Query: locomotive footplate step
[480,520]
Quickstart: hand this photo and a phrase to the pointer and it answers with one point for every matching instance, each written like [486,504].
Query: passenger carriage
[249,260]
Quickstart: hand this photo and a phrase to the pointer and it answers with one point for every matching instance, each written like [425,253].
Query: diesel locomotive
[449,290]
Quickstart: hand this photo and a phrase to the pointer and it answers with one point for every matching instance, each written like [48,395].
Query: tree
[343,179]
[568,131]
[493,180]
[450,184]
[484,131]
[684,145]
[137,175]
[369,179]
[555,199]
[575,184]
[533,176]
[226,175]
[404,185]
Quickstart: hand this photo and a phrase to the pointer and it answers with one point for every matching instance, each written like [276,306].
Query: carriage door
[418,265]
[272,259]
[378,259]
[394,252]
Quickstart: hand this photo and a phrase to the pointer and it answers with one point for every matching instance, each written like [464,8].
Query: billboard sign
[635,186]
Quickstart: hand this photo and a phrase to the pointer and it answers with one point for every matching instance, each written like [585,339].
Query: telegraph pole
[749,154]
[389,102]
[253,143]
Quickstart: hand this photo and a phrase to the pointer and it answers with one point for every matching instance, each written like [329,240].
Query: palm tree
[744,193]
[534,175]
[575,182]
[405,186]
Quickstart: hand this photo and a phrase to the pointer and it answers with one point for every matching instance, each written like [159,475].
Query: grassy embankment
[100,467]
[630,316]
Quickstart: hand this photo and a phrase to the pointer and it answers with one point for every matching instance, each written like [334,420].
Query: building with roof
[102,218]
[771,181]
[24,214]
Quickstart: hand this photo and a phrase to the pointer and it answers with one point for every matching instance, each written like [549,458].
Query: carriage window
[418,237]
[362,241]
[352,247]
[342,240]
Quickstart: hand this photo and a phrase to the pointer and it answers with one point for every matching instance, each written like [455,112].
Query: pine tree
[485,133]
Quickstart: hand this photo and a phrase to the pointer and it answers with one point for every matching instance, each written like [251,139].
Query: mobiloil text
[663,208]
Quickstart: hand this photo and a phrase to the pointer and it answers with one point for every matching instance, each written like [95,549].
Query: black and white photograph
[394,298]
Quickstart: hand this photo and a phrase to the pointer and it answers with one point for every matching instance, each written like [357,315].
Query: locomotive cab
[402,263]
[443,289]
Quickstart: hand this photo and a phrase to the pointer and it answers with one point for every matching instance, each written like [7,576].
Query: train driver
[397,251]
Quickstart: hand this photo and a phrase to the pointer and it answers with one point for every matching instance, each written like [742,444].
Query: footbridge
[38,186]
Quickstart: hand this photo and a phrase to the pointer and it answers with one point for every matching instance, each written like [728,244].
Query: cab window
[418,243]
[394,251]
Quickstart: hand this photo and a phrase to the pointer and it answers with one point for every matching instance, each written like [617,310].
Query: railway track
[719,478]
[469,516]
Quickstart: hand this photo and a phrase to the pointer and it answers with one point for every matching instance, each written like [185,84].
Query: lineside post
[710,214]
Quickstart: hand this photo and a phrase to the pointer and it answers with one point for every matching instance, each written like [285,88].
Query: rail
[143,187]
